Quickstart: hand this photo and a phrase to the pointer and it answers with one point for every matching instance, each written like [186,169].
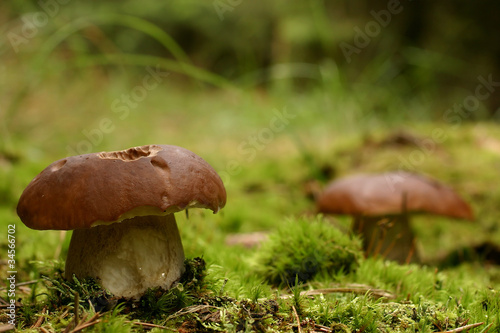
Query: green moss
[302,248]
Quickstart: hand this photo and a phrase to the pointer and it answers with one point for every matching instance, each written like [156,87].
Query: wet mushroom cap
[382,194]
[101,188]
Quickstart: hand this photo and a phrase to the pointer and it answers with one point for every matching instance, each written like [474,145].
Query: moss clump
[86,291]
[157,302]
[302,248]
[194,274]
[362,313]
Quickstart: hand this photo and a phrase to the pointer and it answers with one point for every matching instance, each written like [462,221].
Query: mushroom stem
[128,257]
[390,237]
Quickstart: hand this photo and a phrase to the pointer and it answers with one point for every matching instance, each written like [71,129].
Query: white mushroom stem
[130,256]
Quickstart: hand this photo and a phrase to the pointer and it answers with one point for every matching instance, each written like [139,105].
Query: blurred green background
[347,78]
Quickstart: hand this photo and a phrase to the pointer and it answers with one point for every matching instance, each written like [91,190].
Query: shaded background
[426,47]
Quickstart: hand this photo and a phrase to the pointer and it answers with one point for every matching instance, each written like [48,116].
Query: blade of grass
[322,24]
[148,60]
[111,19]
[54,40]
[463,328]
[362,290]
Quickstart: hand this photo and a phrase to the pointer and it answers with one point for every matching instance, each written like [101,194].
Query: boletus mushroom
[121,207]
[381,205]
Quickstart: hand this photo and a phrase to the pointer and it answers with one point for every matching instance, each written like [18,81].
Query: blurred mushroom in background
[381,205]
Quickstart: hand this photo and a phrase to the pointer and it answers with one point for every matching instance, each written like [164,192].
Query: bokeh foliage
[422,47]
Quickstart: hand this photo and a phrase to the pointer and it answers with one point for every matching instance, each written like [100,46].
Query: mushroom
[381,204]
[121,207]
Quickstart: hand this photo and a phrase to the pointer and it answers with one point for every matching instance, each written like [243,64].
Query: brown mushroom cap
[382,194]
[102,188]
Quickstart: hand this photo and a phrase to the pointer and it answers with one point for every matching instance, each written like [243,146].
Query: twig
[487,328]
[189,309]
[84,324]
[63,315]
[353,289]
[3,306]
[88,324]
[71,324]
[297,318]
[463,328]
[146,324]
[7,327]
[20,284]
[40,319]
[323,328]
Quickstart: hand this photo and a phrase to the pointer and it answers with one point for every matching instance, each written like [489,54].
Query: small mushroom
[121,207]
[381,204]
